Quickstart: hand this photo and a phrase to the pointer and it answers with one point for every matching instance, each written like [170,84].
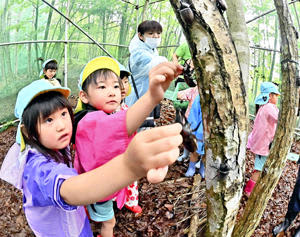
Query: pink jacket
[264,129]
[99,138]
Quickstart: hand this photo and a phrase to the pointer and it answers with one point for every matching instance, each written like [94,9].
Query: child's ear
[83,97]
[141,37]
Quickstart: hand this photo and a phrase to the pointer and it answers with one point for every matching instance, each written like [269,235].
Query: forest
[33,31]
[112,24]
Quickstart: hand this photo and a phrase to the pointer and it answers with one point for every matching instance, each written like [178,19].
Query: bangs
[95,77]
[43,106]
[51,105]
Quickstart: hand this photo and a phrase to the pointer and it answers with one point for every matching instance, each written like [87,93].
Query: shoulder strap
[133,81]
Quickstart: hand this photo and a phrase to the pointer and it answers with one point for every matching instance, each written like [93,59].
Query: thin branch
[150,3]
[136,6]
[268,12]
[266,49]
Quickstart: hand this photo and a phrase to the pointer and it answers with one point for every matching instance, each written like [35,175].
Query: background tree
[224,110]
[287,119]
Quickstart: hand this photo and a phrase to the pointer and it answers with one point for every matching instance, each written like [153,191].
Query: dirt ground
[166,206]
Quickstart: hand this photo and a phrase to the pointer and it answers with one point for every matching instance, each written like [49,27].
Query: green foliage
[110,22]
[7,125]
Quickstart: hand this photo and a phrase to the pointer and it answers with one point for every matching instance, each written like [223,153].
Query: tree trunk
[36,7]
[123,33]
[47,30]
[224,112]
[274,53]
[145,8]
[238,29]
[287,118]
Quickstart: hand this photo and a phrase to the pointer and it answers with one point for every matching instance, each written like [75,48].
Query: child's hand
[160,78]
[151,151]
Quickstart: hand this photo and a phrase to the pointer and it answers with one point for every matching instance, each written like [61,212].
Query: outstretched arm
[160,78]
[149,150]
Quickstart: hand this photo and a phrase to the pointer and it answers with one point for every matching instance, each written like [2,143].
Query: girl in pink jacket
[261,137]
[103,132]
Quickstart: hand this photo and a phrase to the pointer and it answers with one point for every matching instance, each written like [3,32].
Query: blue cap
[265,89]
[27,94]
[44,65]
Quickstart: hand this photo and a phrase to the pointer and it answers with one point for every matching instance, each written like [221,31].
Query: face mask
[153,42]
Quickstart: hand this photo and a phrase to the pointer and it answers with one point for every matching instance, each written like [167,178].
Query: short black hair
[93,78]
[39,108]
[124,74]
[51,65]
[147,26]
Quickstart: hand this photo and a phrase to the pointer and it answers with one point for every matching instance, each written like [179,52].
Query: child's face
[273,98]
[125,82]
[50,73]
[55,131]
[105,95]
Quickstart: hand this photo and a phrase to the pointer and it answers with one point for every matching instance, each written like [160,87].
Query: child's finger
[161,132]
[164,158]
[157,175]
[167,68]
[165,144]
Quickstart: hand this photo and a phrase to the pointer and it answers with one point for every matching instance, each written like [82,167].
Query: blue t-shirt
[195,119]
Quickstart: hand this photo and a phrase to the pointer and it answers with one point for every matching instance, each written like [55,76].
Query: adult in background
[144,56]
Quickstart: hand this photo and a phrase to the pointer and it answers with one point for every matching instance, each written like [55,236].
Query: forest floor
[166,206]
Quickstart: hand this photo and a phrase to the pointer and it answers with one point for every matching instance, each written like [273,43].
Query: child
[189,95]
[261,137]
[195,120]
[100,91]
[132,199]
[124,75]
[48,72]
[53,192]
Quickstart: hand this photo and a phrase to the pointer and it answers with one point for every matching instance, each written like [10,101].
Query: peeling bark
[283,137]
[223,103]
[195,218]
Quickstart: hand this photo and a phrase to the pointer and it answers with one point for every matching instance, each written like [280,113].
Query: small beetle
[222,170]
[189,139]
[186,13]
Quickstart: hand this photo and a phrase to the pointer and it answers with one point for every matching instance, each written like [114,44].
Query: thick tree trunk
[283,137]
[238,29]
[223,102]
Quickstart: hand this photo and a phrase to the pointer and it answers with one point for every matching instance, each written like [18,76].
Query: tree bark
[223,103]
[238,29]
[287,119]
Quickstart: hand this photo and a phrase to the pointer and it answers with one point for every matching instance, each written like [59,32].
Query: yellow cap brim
[129,90]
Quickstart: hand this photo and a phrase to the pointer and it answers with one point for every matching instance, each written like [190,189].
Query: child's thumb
[157,175]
